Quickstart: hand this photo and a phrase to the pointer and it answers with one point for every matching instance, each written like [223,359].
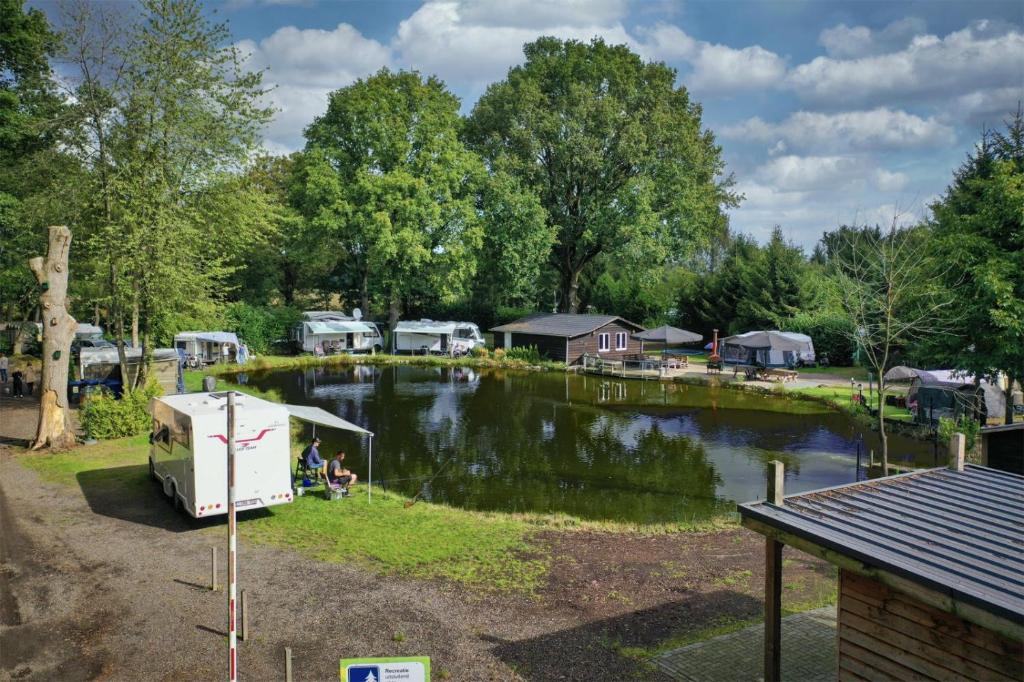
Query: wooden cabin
[929,562]
[568,337]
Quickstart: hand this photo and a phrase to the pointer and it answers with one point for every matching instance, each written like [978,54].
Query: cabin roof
[567,325]
[957,533]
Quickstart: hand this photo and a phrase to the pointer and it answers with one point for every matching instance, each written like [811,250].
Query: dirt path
[98,584]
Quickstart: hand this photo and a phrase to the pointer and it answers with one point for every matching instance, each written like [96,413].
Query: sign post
[232,545]
[410,669]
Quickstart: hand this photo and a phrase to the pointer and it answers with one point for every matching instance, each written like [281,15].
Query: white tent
[318,416]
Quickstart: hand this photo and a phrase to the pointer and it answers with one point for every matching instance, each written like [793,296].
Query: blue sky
[827,112]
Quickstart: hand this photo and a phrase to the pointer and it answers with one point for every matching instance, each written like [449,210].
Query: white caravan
[335,332]
[208,347]
[188,454]
[440,338]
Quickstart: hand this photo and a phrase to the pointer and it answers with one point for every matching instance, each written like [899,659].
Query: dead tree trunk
[51,273]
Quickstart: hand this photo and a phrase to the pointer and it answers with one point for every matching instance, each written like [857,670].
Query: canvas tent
[320,417]
[768,348]
[949,393]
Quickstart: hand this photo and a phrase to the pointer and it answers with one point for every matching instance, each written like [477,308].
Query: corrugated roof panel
[961,533]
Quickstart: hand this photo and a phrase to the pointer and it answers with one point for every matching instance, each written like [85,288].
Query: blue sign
[364,673]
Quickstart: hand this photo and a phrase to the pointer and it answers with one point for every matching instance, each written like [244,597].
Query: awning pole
[369,479]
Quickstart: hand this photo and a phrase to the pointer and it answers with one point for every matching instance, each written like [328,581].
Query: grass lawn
[857,373]
[842,396]
[425,541]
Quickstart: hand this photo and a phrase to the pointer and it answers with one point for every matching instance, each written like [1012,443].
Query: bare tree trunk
[570,302]
[59,327]
[881,427]
[135,321]
[394,311]
[1008,409]
[21,335]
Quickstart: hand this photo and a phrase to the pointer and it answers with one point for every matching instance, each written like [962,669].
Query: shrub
[104,416]
[261,327]
[964,425]
[499,353]
[479,352]
[829,331]
[525,353]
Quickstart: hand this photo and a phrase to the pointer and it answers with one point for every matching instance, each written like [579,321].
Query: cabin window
[602,342]
[620,340]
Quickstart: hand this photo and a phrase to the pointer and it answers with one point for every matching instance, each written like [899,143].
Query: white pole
[369,479]
[232,544]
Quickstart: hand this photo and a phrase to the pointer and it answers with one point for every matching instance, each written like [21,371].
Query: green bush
[829,331]
[525,353]
[261,327]
[964,425]
[103,416]
[479,352]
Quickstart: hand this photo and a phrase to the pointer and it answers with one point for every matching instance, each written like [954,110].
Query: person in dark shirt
[17,387]
[312,456]
[338,474]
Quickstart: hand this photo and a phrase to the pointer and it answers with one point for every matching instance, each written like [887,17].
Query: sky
[828,113]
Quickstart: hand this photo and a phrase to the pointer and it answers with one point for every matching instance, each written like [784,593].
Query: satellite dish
[357,314]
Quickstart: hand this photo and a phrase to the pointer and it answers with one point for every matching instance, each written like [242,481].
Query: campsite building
[929,571]
[568,336]
[336,332]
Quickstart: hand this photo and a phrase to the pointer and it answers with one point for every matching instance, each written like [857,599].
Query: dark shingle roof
[567,325]
[958,533]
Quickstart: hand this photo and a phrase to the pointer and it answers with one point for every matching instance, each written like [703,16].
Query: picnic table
[759,373]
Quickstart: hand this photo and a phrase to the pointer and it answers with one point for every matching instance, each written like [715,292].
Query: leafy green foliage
[525,353]
[978,229]
[611,148]
[104,417]
[963,424]
[262,328]
[830,330]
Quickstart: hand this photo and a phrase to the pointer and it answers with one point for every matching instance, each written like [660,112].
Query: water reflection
[587,446]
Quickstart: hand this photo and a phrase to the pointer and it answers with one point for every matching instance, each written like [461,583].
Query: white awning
[315,415]
[338,327]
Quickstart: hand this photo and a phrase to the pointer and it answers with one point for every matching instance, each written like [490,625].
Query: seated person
[311,455]
[338,474]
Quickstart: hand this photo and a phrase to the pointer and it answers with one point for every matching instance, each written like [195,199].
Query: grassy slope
[426,540]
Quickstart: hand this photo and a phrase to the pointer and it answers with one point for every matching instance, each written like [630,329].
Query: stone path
[808,652]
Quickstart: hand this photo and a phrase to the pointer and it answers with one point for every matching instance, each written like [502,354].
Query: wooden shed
[568,336]
[1002,447]
[930,581]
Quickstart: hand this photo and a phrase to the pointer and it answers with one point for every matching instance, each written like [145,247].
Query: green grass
[485,550]
[842,396]
[857,373]
[265,362]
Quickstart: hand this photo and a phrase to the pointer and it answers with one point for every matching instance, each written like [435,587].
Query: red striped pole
[232,544]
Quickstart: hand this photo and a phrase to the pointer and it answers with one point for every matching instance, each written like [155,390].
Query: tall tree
[892,291]
[979,229]
[165,111]
[386,178]
[613,150]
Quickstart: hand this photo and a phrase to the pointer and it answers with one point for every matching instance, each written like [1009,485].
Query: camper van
[188,452]
[438,338]
[208,347]
[334,332]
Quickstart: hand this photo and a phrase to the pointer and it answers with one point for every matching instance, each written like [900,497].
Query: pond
[592,447]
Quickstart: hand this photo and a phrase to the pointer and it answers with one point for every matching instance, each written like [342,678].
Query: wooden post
[773,583]
[245,618]
[287,664]
[53,428]
[213,569]
[776,477]
[957,451]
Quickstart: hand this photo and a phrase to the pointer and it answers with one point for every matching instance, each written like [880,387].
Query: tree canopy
[613,150]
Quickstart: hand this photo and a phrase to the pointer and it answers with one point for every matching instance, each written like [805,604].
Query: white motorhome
[188,454]
[335,332]
[441,338]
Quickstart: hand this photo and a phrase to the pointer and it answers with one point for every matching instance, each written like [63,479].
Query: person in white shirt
[4,365]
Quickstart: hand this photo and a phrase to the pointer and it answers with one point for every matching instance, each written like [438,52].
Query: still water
[593,447]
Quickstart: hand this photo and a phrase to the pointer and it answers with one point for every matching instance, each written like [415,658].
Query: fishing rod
[416,497]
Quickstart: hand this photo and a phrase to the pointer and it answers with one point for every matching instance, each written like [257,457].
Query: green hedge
[104,417]
[262,328]
[830,333]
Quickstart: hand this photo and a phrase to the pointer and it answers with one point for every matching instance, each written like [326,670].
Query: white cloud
[990,106]
[305,65]
[793,173]
[540,14]
[476,43]
[983,55]
[857,130]
[887,181]
[716,68]
[844,41]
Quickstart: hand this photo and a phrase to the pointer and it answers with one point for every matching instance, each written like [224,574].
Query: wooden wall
[887,635]
[588,344]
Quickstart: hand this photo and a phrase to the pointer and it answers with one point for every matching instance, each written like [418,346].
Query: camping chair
[334,491]
[303,470]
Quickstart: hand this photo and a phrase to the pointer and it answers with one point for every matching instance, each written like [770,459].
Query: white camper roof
[431,327]
[337,327]
[205,404]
